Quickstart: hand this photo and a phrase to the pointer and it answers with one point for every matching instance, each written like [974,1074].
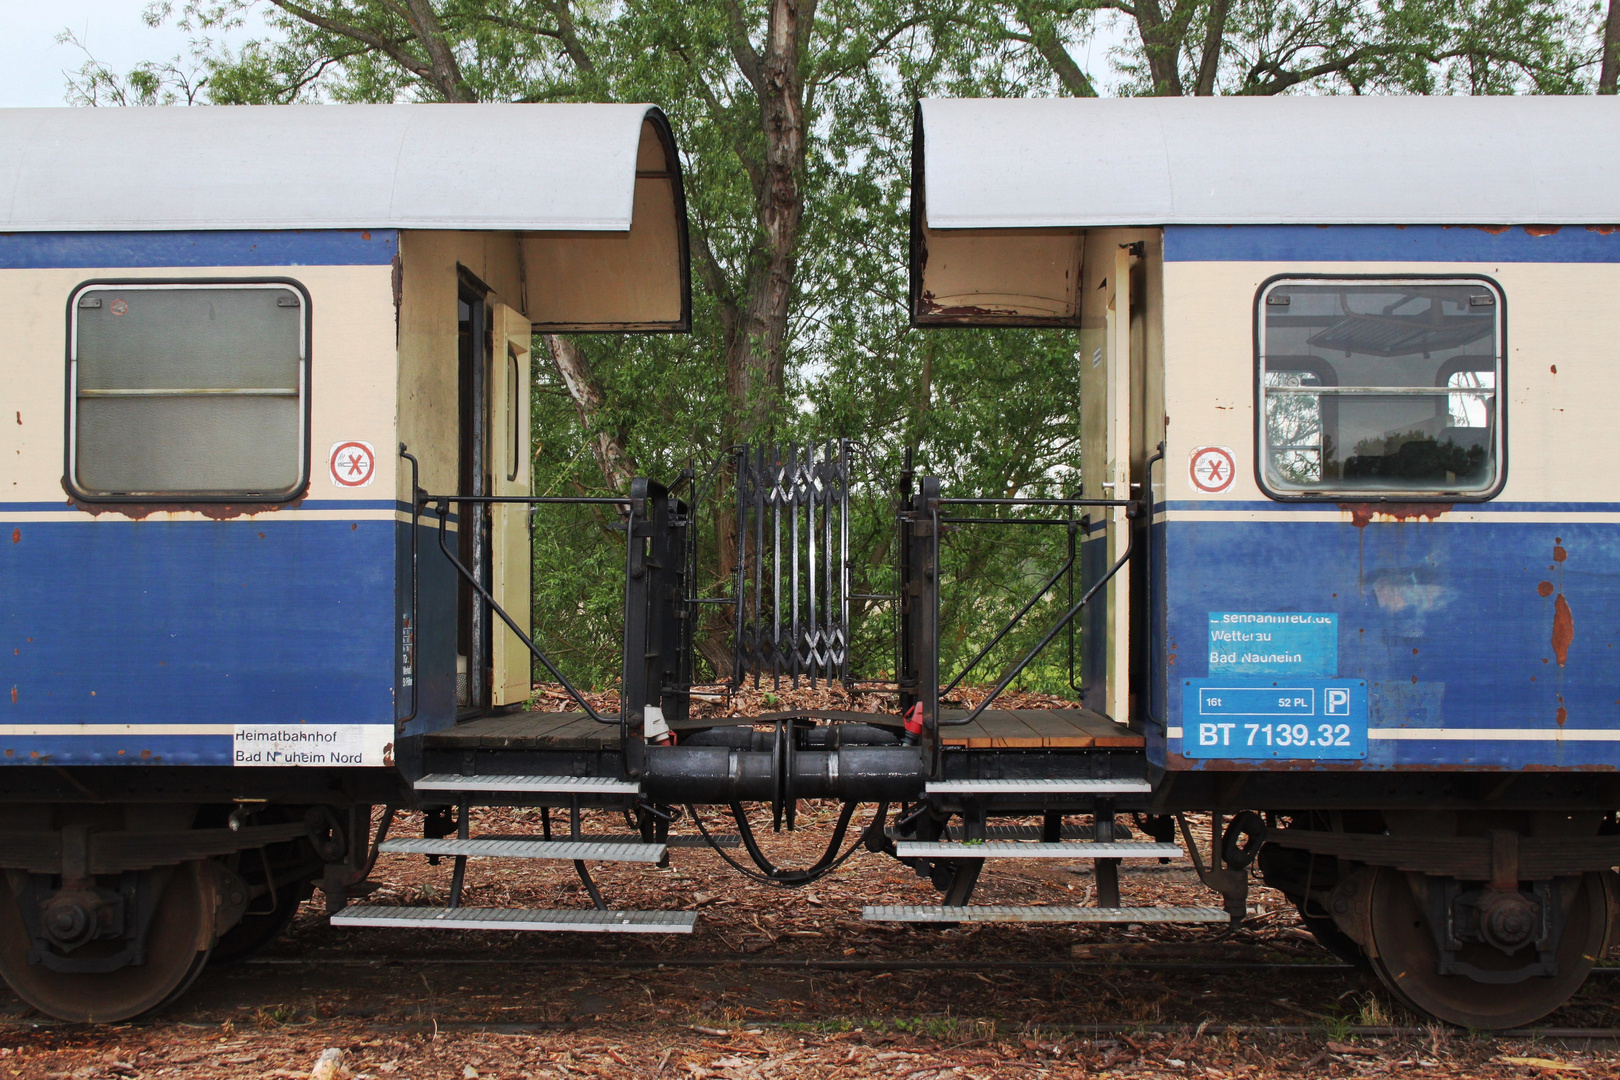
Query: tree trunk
[1609,74]
[612,456]
[755,354]
[441,57]
[1210,60]
[1161,41]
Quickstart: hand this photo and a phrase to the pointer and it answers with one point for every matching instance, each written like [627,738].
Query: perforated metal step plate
[725,840]
[1112,786]
[1013,832]
[937,913]
[1132,849]
[591,922]
[528,849]
[560,785]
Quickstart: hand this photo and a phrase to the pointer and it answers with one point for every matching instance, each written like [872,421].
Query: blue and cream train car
[1361,358]
[219,329]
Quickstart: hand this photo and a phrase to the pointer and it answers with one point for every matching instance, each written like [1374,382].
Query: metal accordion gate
[793,579]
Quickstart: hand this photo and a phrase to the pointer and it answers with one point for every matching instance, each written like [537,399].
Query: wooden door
[511,558]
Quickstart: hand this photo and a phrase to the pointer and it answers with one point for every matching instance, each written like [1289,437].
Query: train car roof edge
[527,167]
[1332,160]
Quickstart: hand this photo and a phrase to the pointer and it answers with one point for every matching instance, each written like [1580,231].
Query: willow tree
[1263,47]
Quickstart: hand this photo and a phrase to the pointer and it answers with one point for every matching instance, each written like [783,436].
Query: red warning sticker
[1211,469]
[354,464]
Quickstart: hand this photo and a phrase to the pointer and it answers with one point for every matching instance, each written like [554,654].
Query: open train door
[1108,442]
[511,555]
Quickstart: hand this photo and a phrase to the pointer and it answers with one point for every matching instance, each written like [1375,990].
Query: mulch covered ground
[791,983]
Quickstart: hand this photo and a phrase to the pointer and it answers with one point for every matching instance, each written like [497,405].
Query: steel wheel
[1336,941]
[177,943]
[1406,958]
[258,929]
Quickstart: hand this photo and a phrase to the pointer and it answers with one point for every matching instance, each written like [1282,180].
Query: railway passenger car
[236,341]
[1359,353]
[1342,561]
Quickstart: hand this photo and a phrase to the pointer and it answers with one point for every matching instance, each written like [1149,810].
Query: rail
[1134,508]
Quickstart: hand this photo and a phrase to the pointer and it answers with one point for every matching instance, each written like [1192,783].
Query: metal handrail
[416,621]
[441,506]
[1034,502]
[1133,508]
[1011,623]
[1006,521]
[533,500]
[1006,680]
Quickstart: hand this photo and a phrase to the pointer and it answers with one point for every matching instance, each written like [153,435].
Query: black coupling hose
[723,775]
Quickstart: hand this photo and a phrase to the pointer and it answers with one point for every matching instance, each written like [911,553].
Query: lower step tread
[939,913]
[725,840]
[1025,832]
[584,921]
[1039,786]
[1128,849]
[559,785]
[491,848]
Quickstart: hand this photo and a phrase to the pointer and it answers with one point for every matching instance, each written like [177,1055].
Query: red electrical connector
[914,725]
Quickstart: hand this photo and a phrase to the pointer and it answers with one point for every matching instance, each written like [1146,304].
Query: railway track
[815,964]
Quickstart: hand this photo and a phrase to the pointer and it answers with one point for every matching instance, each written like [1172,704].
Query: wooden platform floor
[995,729]
[1037,729]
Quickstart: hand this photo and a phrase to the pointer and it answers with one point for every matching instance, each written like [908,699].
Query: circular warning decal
[119,307]
[1212,469]
[354,464]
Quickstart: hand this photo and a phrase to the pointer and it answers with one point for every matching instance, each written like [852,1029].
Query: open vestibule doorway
[493,366]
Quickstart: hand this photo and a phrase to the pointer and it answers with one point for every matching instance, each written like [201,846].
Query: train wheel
[1406,959]
[1336,941]
[259,928]
[177,941]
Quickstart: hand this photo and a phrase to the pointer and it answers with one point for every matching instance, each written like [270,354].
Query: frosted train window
[192,391]
[1377,388]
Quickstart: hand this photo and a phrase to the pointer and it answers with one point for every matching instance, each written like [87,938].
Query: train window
[514,414]
[184,390]
[1380,387]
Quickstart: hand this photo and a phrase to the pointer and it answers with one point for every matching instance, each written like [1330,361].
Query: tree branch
[394,50]
[446,71]
[1045,39]
[611,453]
[742,50]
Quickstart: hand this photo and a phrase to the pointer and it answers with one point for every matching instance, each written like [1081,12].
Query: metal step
[1019,832]
[939,913]
[1113,786]
[558,785]
[488,848]
[1129,849]
[583,921]
[725,840]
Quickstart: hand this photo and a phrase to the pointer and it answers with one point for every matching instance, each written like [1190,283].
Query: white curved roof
[1054,162]
[529,167]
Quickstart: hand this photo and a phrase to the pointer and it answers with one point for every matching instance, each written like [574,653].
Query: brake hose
[791,879]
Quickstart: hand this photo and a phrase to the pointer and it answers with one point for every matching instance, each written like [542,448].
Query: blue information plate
[1309,719]
[1273,643]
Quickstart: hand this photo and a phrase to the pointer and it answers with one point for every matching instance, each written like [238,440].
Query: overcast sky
[32,63]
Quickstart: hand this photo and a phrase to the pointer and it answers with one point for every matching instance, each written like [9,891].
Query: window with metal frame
[190,390]
[1380,387]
